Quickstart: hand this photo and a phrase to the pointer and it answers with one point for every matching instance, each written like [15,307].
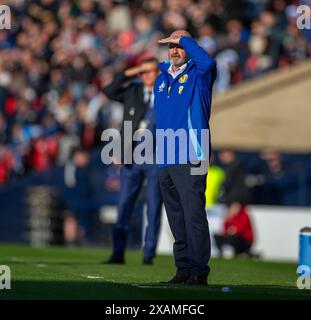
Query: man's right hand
[132,72]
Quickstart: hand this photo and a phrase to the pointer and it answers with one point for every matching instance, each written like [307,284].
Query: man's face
[177,55]
[149,73]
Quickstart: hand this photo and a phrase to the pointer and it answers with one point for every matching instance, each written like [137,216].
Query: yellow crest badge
[180,89]
[183,78]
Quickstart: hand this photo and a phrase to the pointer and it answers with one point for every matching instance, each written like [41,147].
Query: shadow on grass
[98,289]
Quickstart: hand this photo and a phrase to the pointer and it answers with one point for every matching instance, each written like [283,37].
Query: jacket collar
[165,65]
[178,71]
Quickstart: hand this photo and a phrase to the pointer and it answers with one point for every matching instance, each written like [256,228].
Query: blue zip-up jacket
[185,103]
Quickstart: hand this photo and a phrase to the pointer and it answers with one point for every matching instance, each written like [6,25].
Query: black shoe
[114,260]
[148,261]
[197,280]
[176,280]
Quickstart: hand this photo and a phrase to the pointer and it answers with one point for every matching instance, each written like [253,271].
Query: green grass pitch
[76,273]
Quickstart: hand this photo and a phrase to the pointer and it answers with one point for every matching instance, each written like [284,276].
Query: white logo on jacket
[161,86]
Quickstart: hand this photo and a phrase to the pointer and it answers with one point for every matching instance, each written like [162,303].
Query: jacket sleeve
[197,54]
[115,90]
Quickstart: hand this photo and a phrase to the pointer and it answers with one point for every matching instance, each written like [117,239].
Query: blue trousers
[184,201]
[132,178]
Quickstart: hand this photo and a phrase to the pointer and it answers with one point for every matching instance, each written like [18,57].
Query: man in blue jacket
[183,93]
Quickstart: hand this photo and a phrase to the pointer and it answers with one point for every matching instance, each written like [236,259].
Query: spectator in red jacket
[6,164]
[238,231]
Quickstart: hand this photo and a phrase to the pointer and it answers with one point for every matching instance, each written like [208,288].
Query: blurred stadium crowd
[59,55]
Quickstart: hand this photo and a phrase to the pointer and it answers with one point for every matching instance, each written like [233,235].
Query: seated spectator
[237,231]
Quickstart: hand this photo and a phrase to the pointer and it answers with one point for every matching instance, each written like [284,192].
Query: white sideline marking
[41,265]
[152,287]
[16,259]
[88,276]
